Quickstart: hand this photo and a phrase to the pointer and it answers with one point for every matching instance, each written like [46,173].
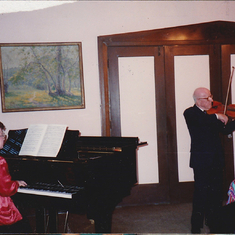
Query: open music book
[43,140]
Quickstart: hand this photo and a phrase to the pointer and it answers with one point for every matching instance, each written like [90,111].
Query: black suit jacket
[206,149]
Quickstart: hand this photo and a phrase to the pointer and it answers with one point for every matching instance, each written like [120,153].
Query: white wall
[84,21]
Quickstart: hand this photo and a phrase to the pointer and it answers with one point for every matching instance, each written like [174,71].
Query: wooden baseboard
[144,194]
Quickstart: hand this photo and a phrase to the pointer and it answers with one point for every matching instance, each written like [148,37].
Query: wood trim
[215,71]
[171,124]
[160,91]
[216,32]
[144,194]
[104,87]
[150,194]
[114,96]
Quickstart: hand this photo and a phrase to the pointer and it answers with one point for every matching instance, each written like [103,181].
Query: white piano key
[45,193]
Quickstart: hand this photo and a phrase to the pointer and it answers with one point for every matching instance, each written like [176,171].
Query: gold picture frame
[41,76]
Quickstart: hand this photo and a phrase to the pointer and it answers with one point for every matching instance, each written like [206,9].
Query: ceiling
[9,6]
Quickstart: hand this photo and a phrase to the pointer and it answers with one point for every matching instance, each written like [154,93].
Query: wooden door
[181,190]
[154,191]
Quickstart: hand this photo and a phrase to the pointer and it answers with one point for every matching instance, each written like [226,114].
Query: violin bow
[229,84]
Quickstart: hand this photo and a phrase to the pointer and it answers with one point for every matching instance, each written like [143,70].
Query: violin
[218,107]
[226,109]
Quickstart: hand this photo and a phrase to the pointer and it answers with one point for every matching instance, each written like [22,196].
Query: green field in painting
[33,98]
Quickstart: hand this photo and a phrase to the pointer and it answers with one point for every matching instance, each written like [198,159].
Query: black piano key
[54,187]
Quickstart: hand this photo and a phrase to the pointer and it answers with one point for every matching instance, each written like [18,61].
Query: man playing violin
[206,157]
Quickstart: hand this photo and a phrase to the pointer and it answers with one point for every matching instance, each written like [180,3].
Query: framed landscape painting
[45,76]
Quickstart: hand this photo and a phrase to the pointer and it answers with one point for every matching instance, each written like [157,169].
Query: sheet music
[52,140]
[43,140]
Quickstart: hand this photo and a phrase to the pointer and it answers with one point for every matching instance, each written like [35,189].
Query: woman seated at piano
[11,220]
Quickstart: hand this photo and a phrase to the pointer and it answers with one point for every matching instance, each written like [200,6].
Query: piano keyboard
[51,190]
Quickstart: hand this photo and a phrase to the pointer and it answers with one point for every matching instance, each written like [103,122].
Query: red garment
[9,214]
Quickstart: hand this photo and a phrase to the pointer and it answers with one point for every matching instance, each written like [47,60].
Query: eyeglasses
[3,136]
[207,98]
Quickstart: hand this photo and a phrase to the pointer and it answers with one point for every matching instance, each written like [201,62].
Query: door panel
[178,98]
[137,103]
[185,83]
[152,165]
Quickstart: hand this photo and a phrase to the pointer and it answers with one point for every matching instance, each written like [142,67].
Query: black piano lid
[72,143]
[109,143]
[16,137]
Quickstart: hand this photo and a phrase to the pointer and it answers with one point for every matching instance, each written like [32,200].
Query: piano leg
[41,224]
[53,220]
[101,211]
[103,223]
[66,221]
[40,220]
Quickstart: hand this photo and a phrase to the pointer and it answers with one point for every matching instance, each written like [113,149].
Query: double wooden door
[178,70]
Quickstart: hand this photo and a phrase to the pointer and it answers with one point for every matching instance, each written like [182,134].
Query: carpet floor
[146,219]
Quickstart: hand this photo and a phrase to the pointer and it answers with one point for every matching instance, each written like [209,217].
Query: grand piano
[90,175]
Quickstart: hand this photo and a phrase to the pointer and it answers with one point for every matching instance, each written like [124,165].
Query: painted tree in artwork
[31,73]
[51,68]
